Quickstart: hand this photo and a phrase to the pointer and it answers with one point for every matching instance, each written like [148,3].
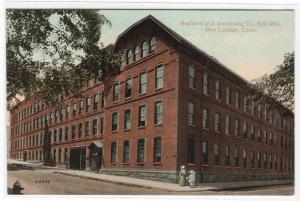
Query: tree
[277,86]
[53,52]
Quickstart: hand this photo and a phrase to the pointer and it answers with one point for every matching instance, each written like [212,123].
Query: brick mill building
[171,105]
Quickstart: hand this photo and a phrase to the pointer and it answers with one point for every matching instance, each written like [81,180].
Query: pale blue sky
[249,54]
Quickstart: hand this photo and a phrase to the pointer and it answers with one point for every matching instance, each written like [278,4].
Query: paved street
[37,181]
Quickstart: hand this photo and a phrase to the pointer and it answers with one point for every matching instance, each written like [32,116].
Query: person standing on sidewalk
[182,176]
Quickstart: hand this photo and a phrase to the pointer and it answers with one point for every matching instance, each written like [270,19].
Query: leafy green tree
[277,86]
[53,52]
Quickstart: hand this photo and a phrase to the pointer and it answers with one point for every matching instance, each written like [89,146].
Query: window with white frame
[115,121]
[142,116]
[116,91]
[159,76]
[158,114]
[143,83]
[192,79]
[191,114]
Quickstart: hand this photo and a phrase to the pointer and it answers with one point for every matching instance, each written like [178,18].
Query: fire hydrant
[17,188]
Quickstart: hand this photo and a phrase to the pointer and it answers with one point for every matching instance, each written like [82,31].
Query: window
[258,160]
[252,159]
[126,151]
[228,95]
[116,91]
[55,135]
[137,54]
[271,161]
[228,125]
[87,128]
[192,81]
[60,134]
[79,130]
[153,44]
[128,87]
[159,76]
[114,152]
[205,83]
[259,135]
[157,150]
[191,114]
[115,121]
[80,106]
[73,132]
[96,101]
[123,60]
[245,160]
[265,137]
[127,119]
[245,104]
[271,138]
[142,116]
[158,116]
[237,128]
[218,90]
[265,160]
[252,132]
[217,154]
[66,133]
[190,150]
[74,109]
[205,116]
[95,126]
[204,152]
[217,122]
[143,83]
[103,100]
[245,133]
[237,99]
[144,49]
[101,124]
[237,157]
[67,111]
[227,155]
[88,104]
[141,151]
[129,56]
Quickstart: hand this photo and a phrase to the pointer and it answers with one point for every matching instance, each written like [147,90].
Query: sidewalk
[129,181]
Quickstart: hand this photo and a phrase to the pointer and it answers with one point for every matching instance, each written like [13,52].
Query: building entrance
[25,156]
[95,150]
[77,158]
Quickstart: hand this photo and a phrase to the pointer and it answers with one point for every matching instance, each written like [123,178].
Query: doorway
[25,156]
[77,158]
[95,150]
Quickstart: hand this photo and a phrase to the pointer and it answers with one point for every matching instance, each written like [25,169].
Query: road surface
[44,182]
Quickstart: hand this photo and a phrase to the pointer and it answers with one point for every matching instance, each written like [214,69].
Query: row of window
[141,151]
[68,111]
[58,135]
[234,126]
[142,116]
[129,56]
[249,159]
[268,114]
[143,82]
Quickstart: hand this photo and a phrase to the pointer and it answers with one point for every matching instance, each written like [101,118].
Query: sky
[250,43]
